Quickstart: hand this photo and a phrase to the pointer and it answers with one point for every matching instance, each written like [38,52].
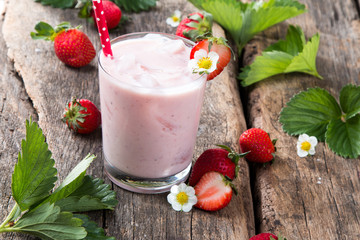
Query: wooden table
[283,197]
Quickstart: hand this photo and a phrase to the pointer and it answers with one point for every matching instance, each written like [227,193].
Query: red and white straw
[102,27]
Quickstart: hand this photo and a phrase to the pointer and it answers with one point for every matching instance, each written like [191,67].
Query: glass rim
[196,81]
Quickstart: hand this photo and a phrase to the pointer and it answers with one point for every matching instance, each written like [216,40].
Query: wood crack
[357,6]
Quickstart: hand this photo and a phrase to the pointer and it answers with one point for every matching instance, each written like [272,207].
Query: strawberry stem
[73,115]
[46,32]
[234,156]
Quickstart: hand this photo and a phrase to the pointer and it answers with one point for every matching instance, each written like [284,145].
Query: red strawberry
[194,25]
[267,236]
[71,45]
[218,45]
[213,192]
[222,160]
[112,14]
[82,116]
[258,142]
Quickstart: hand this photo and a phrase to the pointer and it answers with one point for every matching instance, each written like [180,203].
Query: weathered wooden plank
[50,84]
[15,107]
[287,196]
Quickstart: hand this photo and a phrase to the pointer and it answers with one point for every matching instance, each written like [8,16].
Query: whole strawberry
[222,160]
[213,192]
[259,145]
[82,116]
[194,25]
[112,14]
[266,236]
[218,45]
[71,45]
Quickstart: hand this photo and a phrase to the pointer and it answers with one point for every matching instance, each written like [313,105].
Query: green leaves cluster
[50,215]
[125,5]
[293,54]
[135,5]
[317,113]
[244,20]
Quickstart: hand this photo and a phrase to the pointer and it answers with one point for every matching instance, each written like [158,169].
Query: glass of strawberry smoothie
[150,106]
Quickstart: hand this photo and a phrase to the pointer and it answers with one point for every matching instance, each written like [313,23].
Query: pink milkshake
[150,106]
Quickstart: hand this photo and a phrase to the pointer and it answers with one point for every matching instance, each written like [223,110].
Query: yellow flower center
[205,63]
[175,18]
[182,198]
[305,146]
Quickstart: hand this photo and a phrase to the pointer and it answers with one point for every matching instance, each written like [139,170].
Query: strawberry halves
[213,192]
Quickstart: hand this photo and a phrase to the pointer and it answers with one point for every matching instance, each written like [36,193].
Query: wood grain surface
[48,84]
[315,197]
[283,197]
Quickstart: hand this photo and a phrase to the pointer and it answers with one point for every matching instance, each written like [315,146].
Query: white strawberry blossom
[174,20]
[203,62]
[182,197]
[306,145]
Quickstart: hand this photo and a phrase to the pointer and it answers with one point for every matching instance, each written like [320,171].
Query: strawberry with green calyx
[267,236]
[223,160]
[194,25]
[82,116]
[112,12]
[71,45]
[213,191]
[217,45]
[258,143]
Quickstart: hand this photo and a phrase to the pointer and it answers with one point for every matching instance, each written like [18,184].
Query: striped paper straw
[102,27]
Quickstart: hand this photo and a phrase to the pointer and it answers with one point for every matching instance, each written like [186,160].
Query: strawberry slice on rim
[218,45]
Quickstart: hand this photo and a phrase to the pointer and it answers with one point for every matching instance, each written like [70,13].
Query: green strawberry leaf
[58,3]
[244,20]
[81,204]
[343,138]
[91,195]
[293,54]
[93,231]
[350,100]
[73,181]
[41,214]
[47,222]
[43,31]
[293,43]
[265,66]
[34,173]
[306,60]
[135,5]
[85,10]
[310,112]
[317,113]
